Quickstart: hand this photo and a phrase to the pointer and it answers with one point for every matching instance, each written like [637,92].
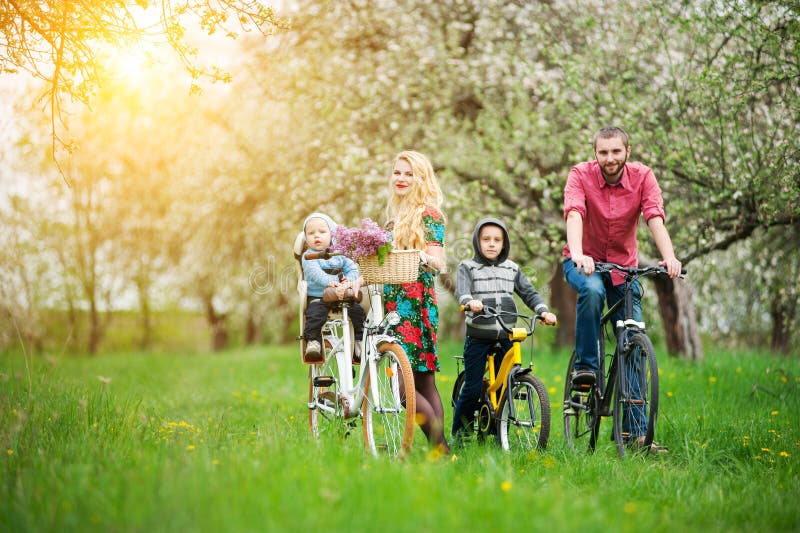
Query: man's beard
[617,174]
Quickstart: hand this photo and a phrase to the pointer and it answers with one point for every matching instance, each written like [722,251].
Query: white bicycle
[378,395]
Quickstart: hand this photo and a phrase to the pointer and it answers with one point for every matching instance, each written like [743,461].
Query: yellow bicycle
[514,408]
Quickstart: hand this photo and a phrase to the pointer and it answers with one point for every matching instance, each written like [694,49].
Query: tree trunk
[217,323]
[562,303]
[252,332]
[94,327]
[147,322]
[675,301]
[783,315]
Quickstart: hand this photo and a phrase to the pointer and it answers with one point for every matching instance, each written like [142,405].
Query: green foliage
[196,201]
[219,442]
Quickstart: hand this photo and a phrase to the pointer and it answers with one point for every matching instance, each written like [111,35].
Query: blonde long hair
[406,211]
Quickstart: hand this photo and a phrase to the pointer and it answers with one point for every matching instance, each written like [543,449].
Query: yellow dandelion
[548,461]
[630,508]
[773,413]
[557,379]
[215,462]
[738,370]
[551,390]
[13,411]
[767,450]
[505,486]
[784,379]
[785,454]
[746,437]
[190,447]
[660,372]
[9,452]
[669,394]
[712,379]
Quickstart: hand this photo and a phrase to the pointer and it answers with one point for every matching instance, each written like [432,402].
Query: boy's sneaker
[358,349]
[582,378]
[313,352]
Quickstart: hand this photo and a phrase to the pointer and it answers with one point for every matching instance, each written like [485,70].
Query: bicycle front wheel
[636,394]
[390,403]
[579,409]
[524,420]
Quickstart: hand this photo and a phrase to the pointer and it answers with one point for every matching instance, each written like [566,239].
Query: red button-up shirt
[611,212]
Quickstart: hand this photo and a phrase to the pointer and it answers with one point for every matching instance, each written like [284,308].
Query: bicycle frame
[353,391]
[499,382]
[621,329]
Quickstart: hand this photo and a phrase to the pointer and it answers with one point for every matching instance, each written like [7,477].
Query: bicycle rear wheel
[524,420]
[636,394]
[390,403]
[327,408]
[457,388]
[579,409]
[483,423]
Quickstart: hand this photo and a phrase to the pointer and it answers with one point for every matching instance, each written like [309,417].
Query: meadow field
[220,442]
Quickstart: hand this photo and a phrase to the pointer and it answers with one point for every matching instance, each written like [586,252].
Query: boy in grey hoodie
[489,279]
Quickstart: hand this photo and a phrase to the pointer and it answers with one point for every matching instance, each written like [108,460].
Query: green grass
[219,442]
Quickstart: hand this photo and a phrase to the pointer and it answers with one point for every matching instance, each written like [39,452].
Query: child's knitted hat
[331,224]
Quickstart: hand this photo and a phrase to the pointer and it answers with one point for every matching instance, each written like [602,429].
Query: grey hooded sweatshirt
[494,283]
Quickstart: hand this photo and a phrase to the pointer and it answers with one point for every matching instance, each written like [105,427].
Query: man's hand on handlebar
[673,267]
[584,262]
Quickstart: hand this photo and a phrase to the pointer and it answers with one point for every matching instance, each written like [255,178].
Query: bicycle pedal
[324,381]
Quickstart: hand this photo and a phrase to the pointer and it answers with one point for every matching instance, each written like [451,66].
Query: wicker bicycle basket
[399,266]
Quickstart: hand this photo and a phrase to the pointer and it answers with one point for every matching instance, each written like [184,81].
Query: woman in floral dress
[416,222]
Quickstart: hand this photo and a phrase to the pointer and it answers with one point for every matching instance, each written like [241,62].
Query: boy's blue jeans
[593,292]
[475,354]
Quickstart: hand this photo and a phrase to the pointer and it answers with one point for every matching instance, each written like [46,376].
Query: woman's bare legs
[430,410]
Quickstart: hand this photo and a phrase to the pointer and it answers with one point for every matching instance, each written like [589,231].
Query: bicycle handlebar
[492,312]
[634,271]
[325,254]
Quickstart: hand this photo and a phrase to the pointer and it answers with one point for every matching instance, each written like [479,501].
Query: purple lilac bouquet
[369,239]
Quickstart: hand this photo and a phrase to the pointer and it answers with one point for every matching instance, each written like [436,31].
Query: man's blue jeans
[593,292]
[475,354]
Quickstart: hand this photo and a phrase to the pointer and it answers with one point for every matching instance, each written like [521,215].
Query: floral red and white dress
[417,305]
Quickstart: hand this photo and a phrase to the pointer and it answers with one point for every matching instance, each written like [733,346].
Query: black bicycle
[628,391]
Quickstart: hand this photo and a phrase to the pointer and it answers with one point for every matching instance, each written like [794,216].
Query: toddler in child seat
[320,274]
[490,278]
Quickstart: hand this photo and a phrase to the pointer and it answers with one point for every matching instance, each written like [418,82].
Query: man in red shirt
[603,200]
